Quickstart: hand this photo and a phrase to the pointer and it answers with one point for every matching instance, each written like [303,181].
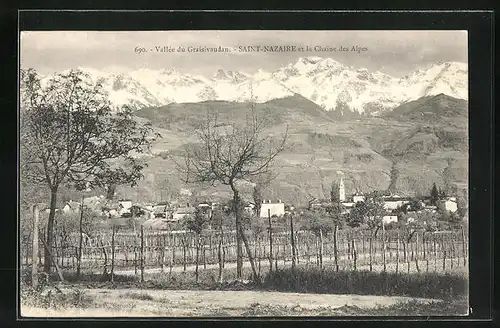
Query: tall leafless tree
[228,153]
[72,137]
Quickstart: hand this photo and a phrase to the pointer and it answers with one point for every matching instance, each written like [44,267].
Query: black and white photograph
[243,173]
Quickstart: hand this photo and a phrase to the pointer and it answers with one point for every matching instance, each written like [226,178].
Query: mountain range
[328,83]
[320,148]
[415,125]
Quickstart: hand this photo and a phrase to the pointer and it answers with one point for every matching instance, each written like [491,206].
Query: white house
[126,204]
[393,204]
[389,218]
[269,208]
[449,205]
[358,198]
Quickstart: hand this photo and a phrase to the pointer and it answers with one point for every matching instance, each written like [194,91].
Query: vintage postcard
[243,173]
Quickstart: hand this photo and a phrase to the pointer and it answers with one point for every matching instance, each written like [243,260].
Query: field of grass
[304,291]
[159,303]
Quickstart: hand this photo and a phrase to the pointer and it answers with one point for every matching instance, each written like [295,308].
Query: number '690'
[139,50]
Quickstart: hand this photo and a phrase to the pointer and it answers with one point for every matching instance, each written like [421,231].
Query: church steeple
[341,190]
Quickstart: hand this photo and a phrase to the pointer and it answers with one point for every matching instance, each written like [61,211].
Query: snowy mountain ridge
[324,81]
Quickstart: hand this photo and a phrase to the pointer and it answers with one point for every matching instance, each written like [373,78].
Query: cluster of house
[391,204]
[164,212]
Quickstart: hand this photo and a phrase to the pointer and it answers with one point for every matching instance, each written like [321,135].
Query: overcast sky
[392,52]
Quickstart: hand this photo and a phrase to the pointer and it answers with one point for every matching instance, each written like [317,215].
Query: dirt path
[137,303]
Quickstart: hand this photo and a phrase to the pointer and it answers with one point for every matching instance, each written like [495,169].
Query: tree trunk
[219,255]
[239,249]
[250,257]
[55,263]
[80,242]
[270,228]
[34,259]
[47,260]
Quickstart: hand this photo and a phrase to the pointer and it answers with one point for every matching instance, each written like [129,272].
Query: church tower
[341,190]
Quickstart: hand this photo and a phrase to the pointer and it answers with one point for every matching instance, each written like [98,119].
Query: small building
[449,205]
[160,210]
[125,205]
[182,212]
[269,208]
[394,203]
[358,198]
[389,219]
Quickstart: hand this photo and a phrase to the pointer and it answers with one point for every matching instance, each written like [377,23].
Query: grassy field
[179,303]
[317,293]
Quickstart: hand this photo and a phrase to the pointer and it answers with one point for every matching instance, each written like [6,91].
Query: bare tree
[72,137]
[230,153]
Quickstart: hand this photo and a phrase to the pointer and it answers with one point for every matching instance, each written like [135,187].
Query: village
[161,215]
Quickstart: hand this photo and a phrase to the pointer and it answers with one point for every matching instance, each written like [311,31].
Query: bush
[47,295]
[316,280]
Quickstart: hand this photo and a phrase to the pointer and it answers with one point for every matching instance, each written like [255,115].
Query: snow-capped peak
[324,81]
[232,76]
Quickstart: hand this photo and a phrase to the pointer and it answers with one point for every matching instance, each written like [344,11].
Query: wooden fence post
[112,252]
[198,242]
[184,260]
[416,252]
[335,250]
[397,253]
[34,257]
[135,260]
[370,250]
[354,253]
[444,253]
[363,247]
[321,248]
[452,250]
[270,241]
[292,239]
[163,251]
[464,253]
[142,253]
[383,246]
[435,252]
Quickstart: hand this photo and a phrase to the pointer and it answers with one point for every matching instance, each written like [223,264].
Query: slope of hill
[431,109]
[319,149]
